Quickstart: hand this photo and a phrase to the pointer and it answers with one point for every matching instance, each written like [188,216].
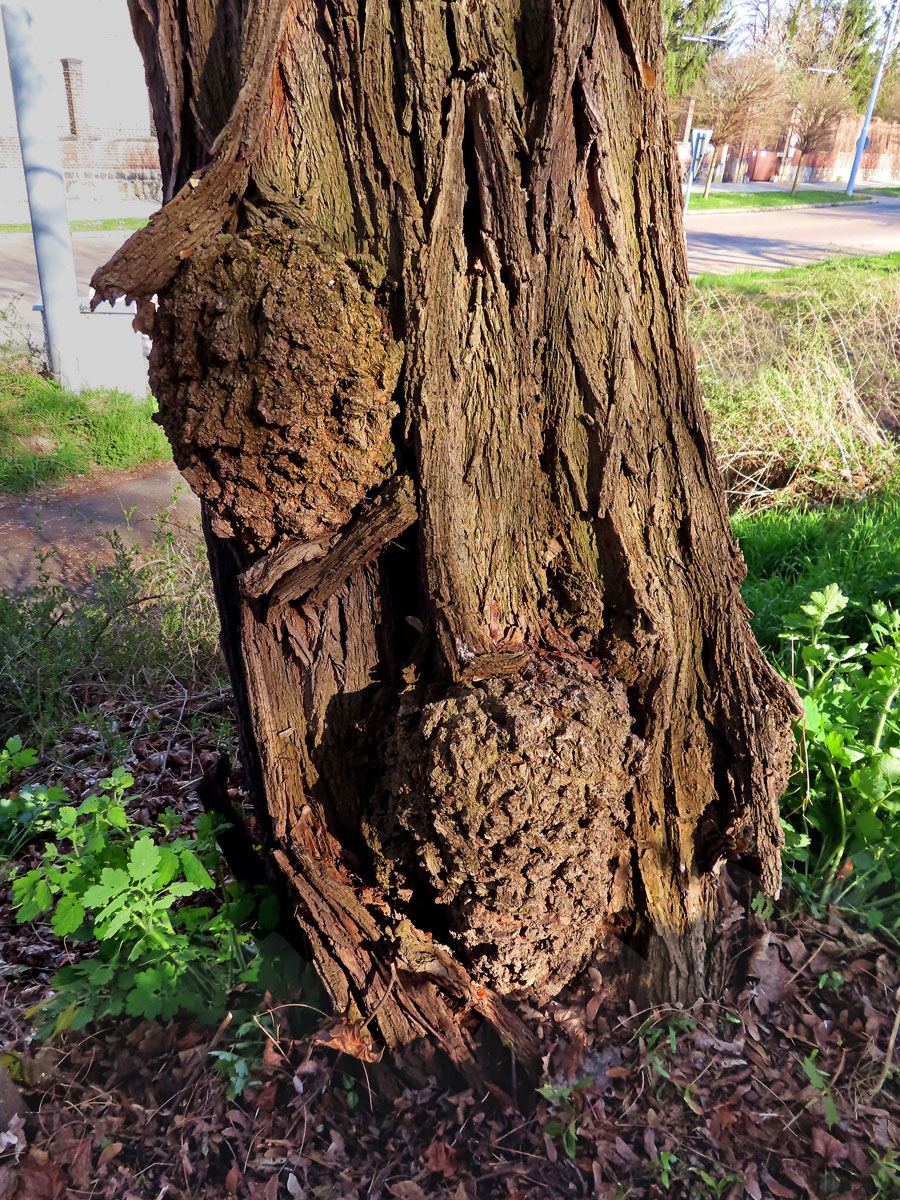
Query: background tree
[685,59]
[855,48]
[740,94]
[819,103]
[420,349]
[888,106]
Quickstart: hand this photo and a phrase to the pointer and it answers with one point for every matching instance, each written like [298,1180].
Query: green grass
[146,626]
[794,551]
[800,369]
[837,278]
[48,434]
[108,225]
[725,200]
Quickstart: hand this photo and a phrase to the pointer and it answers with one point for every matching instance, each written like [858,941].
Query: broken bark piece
[268,570]
[393,511]
[207,203]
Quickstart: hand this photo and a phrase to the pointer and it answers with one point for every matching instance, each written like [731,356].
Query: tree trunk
[797,173]
[420,348]
[710,173]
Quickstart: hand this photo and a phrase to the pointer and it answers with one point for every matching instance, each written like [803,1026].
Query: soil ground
[60,531]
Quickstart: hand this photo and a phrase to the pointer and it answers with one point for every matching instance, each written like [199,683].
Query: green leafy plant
[841,812]
[657,1032]
[104,878]
[832,980]
[819,1082]
[717,1185]
[885,1173]
[665,1165]
[565,1127]
[24,813]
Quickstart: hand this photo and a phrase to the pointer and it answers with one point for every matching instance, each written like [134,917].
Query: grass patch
[792,551]
[146,627]
[107,225]
[726,200]
[800,369]
[824,589]
[47,433]
[836,277]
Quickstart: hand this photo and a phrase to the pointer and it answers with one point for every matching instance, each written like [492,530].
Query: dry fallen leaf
[40,1179]
[347,1039]
[109,1153]
[407,1191]
[441,1157]
[828,1147]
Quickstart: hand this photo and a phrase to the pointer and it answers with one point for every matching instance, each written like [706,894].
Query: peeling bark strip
[441,242]
[392,512]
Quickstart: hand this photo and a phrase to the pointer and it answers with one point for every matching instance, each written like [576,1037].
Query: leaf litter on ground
[781,1087]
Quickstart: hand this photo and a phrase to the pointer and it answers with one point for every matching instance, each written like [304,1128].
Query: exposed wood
[310,572]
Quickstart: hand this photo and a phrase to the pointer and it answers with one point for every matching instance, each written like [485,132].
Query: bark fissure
[420,348]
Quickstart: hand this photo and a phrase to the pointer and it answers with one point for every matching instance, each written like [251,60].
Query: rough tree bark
[419,346]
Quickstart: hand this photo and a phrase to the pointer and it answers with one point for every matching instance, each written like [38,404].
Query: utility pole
[44,182]
[864,132]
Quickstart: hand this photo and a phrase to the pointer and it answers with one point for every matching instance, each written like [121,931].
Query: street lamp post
[46,189]
[864,132]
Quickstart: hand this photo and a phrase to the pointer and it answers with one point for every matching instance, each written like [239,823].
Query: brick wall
[104,168]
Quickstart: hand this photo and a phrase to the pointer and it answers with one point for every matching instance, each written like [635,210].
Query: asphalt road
[721,242]
[18,269]
[735,240]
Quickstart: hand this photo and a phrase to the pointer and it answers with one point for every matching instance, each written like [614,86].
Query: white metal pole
[38,137]
[864,132]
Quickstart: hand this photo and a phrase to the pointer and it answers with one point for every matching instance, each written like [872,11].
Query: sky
[99,33]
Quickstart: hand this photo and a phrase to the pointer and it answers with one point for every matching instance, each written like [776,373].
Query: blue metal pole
[864,133]
[36,120]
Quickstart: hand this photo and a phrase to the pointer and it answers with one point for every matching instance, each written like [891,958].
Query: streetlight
[864,132]
[33,98]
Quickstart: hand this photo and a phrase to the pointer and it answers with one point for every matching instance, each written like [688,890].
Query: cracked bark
[442,241]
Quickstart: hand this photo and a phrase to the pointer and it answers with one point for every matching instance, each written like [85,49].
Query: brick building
[108,150]
[759,160]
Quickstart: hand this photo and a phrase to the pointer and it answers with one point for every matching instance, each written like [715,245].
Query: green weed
[565,1100]
[107,879]
[841,811]
[25,812]
[159,953]
[885,1173]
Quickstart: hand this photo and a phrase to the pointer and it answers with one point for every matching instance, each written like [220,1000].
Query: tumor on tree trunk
[419,346]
